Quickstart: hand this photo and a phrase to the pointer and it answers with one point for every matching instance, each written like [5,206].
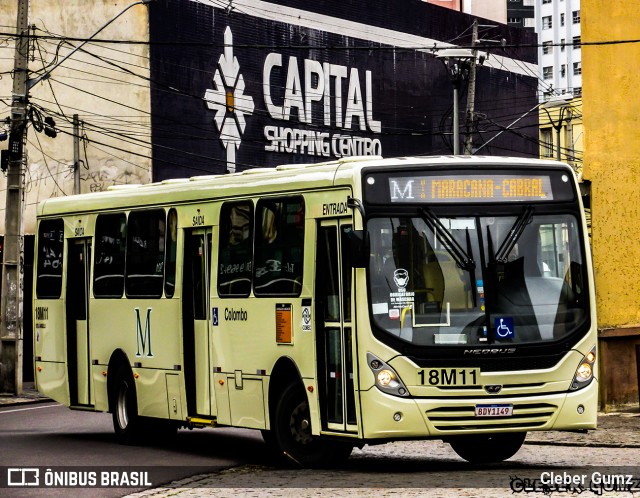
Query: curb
[16,401]
[583,444]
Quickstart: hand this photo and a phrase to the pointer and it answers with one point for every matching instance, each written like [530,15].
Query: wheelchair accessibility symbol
[504,328]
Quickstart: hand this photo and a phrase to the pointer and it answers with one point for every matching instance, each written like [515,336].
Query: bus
[331,305]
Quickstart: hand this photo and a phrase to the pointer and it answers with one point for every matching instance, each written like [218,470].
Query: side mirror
[358,239]
[358,247]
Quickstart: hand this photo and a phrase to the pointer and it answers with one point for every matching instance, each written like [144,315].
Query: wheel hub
[300,424]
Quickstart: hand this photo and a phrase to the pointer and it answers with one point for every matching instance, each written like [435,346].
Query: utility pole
[11,328]
[471,93]
[76,154]
[11,301]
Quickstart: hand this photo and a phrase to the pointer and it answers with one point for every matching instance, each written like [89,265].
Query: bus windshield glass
[476,280]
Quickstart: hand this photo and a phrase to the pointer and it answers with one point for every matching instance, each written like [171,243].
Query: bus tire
[487,448]
[292,433]
[126,422]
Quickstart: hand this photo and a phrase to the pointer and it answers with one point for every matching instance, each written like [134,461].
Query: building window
[547,22]
[547,72]
[546,142]
[577,92]
[514,20]
[529,22]
[576,17]
[577,68]
[576,42]
[545,1]
[547,47]
[528,3]
[562,42]
[563,70]
[562,19]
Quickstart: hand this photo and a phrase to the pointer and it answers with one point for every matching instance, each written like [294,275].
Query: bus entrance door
[78,347]
[334,330]
[195,307]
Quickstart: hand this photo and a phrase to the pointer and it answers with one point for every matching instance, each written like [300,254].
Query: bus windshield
[474,280]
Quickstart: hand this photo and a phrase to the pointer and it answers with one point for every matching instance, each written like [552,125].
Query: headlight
[387,380]
[385,377]
[584,372]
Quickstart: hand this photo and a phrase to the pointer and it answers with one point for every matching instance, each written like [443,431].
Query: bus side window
[170,254]
[145,253]
[279,247]
[236,249]
[108,268]
[49,265]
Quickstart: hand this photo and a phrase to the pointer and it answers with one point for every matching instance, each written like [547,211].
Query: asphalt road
[50,435]
[234,462]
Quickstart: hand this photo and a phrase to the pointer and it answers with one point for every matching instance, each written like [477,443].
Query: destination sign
[470,188]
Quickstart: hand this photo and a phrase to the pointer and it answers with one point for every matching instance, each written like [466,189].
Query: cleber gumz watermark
[595,482]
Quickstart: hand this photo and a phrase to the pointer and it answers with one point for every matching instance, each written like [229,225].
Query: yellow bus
[330,306]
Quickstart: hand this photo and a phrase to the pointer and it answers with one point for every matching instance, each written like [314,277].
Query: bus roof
[254,181]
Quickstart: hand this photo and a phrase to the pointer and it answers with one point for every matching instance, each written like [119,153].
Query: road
[50,435]
[234,462]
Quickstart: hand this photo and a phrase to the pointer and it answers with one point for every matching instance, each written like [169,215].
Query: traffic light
[49,127]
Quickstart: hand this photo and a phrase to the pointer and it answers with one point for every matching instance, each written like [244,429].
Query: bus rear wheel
[126,421]
[487,448]
[292,433]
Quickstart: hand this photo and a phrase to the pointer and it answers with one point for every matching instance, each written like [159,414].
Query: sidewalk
[29,395]
[615,430]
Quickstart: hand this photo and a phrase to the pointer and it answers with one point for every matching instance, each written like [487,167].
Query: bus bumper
[398,418]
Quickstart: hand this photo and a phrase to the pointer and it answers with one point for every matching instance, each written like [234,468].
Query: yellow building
[611,115]
[561,122]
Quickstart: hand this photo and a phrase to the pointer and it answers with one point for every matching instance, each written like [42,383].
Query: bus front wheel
[125,407]
[292,433]
[487,448]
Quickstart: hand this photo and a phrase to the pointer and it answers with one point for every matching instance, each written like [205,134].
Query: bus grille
[461,418]
[492,363]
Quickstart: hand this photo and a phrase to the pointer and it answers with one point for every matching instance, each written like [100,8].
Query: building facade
[558,24]
[521,13]
[611,113]
[494,10]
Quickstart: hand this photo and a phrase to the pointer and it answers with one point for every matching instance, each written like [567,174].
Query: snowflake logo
[228,101]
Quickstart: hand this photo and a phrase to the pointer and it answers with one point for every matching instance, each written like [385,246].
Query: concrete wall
[611,116]
[611,113]
[119,117]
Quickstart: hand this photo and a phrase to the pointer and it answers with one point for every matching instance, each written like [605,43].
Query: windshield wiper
[460,256]
[514,235]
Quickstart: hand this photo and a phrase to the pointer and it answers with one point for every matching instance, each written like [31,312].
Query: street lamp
[457,61]
[563,102]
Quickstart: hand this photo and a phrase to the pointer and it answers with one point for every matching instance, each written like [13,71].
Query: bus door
[77,308]
[195,314]
[334,327]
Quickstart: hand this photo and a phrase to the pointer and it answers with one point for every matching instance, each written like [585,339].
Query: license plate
[494,410]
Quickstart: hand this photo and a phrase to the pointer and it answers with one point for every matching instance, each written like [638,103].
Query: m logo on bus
[401,191]
[143,339]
